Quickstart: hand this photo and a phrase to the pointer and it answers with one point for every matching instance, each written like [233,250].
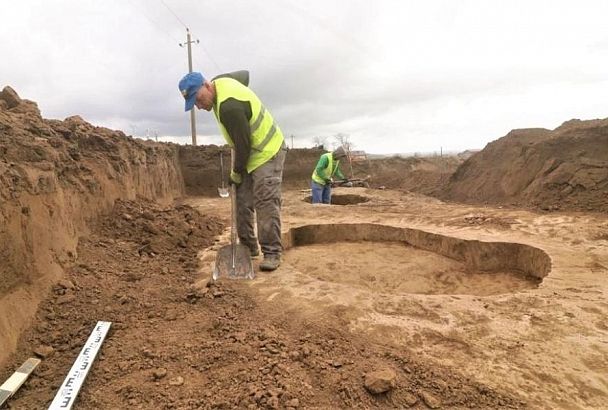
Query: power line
[205,51]
[172,12]
[198,41]
[344,37]
[158,26]
[210,58]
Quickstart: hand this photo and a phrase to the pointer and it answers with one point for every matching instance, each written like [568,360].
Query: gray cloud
[396,76]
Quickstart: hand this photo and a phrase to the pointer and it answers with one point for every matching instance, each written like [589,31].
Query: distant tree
[345,142]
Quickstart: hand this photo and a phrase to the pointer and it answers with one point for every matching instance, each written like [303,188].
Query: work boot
[270,262]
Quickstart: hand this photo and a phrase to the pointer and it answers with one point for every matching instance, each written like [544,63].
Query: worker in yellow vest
[327,168]
[248,127]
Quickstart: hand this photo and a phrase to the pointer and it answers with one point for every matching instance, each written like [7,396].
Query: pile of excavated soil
[173,345]
[200,167]
[566,168]
[56,177]
[424,175]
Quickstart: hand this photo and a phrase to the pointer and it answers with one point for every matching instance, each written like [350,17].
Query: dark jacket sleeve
[235,116]
[338,173]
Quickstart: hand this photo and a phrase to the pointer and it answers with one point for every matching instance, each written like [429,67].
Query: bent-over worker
[258,143]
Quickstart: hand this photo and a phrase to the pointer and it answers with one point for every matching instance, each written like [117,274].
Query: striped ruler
[65,397]
[12,384]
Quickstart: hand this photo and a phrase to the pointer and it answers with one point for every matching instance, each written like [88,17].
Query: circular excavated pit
[343,199]
[401,260]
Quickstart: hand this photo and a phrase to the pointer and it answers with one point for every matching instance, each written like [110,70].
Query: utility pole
[291,141]
[192,113]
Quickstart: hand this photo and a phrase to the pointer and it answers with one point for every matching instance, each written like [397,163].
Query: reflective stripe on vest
[266,137]
[328,171]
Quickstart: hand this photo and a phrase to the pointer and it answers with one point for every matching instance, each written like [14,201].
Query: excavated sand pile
[56,176]
[566,168]
[200,167]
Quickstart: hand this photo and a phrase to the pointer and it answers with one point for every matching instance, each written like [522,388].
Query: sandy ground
[547,342]
[181,341]
[310,334]
[397,269]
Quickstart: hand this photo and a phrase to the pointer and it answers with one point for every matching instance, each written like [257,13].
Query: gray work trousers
[259,194]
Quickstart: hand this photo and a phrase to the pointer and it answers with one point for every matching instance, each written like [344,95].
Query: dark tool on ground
[234,260]
[351,182]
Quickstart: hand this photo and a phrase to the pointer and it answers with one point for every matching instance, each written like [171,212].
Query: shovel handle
[233,235]
[222,169]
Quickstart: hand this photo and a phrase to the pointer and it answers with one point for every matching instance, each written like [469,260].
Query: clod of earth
[380,381]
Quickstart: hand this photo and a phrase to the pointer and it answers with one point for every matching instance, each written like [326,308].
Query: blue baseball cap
[189,86]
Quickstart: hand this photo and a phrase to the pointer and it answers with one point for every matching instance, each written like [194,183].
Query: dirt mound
[212,345]
[56,177]
[299,165]
[566,168]
[425,175]
[159,231]
[200,167]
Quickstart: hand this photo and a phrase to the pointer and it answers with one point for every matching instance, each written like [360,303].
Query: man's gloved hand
[235,178]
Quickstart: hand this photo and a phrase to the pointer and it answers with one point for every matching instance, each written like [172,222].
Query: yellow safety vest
[266,136]
[328,171]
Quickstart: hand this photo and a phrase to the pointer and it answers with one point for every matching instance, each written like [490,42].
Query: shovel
[223,191]
[234,260]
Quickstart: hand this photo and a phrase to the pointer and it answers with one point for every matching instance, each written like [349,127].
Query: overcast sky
[396,76]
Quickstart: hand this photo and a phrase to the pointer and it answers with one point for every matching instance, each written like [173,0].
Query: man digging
[247,127]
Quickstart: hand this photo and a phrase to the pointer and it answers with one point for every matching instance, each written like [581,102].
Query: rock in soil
[380,381]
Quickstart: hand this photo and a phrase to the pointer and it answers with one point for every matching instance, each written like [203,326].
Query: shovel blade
[240,268]
[224,192]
